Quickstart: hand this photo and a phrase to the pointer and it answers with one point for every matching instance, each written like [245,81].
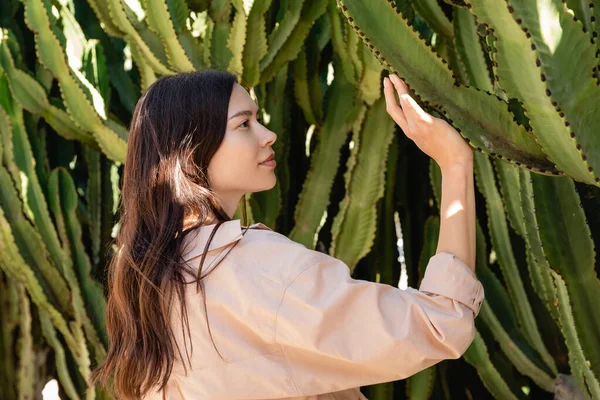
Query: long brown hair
[177,126]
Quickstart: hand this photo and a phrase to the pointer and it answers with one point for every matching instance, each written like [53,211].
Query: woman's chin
[268,185]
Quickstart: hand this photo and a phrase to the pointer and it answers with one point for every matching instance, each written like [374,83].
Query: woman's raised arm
[439,140]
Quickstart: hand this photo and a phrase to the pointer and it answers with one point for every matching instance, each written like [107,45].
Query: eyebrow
[247,113]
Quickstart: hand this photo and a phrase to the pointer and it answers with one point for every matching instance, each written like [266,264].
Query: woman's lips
[270,163]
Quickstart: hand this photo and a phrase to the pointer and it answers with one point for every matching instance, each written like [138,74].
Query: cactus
[354,227]
[344,104]
[470,109]
[549,227]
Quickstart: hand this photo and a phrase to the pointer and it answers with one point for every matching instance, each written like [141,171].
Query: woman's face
[236,167]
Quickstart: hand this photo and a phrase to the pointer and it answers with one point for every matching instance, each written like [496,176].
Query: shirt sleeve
[337,332]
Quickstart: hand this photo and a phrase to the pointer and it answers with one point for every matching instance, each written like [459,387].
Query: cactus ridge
[344,104]
[577,359]
[468,117]
[559,69]
[514,39]
[77,104]
[161,22]
[257,48]
[356,222]
[500,238]
[117,15]
[478,356]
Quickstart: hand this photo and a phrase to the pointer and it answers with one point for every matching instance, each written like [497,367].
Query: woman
[274,319]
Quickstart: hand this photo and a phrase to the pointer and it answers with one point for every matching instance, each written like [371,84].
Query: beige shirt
[292,323]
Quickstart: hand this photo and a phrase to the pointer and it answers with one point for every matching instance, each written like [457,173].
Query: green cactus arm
[32,248]
[532,87]
[446,48]
[478,356]
[431,234]
[117,16]
[388,258]
[102,10]
[26,371]
[220,12]
[512,350]
[207,46]
[301,89]
[342,110]
[569,249]
[595,19]
[434,16]
[583,11]
[81,321]
[356,225]
[500,237]
[147,75]
[568,59]
[541,281]
[282,31]
[256,48]
[270,203]
[496,295]
[13,203]
[150,38]
[89,56]
[21,162]
[338,41]
[539,270]
[468,47]
[9,297]
[350,165]
[51,55]
[497,313]
[580,366]
[237,39]
[289,49]
[15,267]
[92,291]
[353,42]
[317,80]
[161,22]
[435,179]
[420,385]
[471,110]
[249,216]
[193,46]
[93,196]
[370,84]
[60,360]
[508,181]
[30,93]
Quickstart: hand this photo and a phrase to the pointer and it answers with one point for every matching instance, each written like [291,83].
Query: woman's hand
[434,136]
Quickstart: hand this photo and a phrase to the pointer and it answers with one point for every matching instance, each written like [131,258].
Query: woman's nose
[269,138]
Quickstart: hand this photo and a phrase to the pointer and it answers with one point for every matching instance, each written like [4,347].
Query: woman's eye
[259,120]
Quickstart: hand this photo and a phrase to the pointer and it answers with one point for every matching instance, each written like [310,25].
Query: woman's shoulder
[276,252]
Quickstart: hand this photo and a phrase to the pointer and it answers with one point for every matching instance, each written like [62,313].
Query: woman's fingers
[413,111]
[400,86]
[392,106]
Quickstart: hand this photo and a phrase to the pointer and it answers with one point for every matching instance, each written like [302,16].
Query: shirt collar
[229,232]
